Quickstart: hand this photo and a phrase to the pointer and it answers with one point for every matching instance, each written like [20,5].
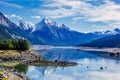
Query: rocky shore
[6,74]
[19,55]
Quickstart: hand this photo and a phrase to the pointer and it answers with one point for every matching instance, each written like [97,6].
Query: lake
[91,66]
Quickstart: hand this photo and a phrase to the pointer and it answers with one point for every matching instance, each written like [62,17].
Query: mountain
[53,34]
[9,30]
[27,26]
[110,41]
[5,21]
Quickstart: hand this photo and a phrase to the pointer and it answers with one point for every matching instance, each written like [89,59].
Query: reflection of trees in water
[22,68]
[13,65]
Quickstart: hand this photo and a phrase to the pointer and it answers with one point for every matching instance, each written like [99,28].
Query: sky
[79,15]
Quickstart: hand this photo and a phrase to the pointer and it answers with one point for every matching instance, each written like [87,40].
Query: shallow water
[91,66]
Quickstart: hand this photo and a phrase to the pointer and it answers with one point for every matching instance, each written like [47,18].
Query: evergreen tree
[14,45]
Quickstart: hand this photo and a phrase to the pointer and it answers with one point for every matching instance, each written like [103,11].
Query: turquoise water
[91,66]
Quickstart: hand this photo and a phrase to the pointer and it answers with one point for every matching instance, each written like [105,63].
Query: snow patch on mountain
[27,26]
[14,36]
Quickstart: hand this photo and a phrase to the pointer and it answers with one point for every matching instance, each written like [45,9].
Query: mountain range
[47,32]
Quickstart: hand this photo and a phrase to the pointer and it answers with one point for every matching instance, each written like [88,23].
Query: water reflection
[15,66]
[104,54]
[80,72]
[21,68]
[66,54]
[89,67]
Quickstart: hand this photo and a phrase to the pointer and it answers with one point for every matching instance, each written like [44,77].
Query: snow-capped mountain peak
[46,23]
[28,26]
[49,22]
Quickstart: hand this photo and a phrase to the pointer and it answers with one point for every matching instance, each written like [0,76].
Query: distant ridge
[110,41]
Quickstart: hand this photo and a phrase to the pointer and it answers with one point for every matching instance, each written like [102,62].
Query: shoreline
[28,57]
[14,58]
[110,50]
[6,74]
[19,55]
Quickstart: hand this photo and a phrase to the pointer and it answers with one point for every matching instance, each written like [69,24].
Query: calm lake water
[88,68]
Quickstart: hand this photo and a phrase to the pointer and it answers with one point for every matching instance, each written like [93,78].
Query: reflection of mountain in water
[46,70]
[66,54]
[37,73]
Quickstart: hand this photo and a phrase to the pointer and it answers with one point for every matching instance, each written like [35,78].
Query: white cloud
[36,17]
[15,16]
[75,19]
[3,3]
[58,13]
[61,9]
[107,12]
[104,13]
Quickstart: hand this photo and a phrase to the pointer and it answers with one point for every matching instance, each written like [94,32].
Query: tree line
[20,44]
